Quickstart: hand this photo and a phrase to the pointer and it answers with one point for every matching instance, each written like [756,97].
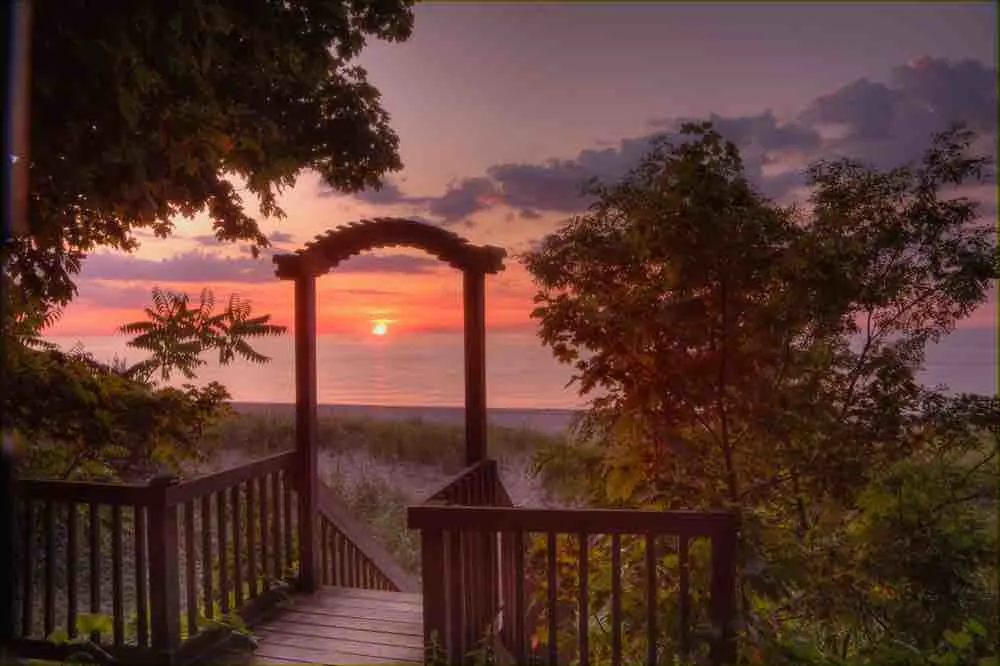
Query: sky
[503,110]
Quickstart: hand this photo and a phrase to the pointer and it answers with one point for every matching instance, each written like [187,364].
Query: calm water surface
[426,369]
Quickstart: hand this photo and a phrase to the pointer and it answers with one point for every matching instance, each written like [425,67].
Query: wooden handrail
[83,492]
[333,510]
[447,491]
[198,487]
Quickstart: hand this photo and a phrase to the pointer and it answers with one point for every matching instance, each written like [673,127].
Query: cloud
[884,124]
[101,293]
[890,124]
[195,266]
[205,268]
[277,238]
[280,238]
[463,199]
[763,131]
[388,194]
[558,185]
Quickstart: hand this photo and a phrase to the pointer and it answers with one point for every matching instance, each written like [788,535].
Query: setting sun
[380,328]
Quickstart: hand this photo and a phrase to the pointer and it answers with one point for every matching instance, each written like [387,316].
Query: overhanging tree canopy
[144,112]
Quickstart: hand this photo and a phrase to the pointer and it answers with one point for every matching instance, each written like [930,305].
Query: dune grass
[389,441]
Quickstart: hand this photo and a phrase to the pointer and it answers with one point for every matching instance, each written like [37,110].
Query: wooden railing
[170,562]
[476,485]
[552,598]
[78,542]
[461,584]
[350,557]
[163,560]
[237,545]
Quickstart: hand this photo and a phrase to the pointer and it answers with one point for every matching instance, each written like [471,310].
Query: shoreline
[550,421]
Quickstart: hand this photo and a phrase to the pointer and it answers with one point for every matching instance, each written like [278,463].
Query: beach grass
[415,441]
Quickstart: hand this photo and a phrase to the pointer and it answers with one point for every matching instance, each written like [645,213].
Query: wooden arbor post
[474,302]
[325,253]
[307,468]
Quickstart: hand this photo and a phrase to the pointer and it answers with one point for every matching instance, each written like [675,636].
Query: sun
[380,328]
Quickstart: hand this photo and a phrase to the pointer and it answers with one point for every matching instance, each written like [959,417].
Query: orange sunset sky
[503,111]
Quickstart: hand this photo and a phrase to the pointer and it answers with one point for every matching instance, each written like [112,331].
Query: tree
[82,418]
[147,112]
[151,112]
[740,354]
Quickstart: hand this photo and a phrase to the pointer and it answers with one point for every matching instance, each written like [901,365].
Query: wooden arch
[336,245]
[325,253]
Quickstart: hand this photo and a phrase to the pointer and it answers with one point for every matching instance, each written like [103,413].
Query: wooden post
[164,600]
[475,366]
[305,430]
[723,594]
[435,577]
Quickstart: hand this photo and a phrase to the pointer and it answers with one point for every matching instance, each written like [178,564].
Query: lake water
[426,369]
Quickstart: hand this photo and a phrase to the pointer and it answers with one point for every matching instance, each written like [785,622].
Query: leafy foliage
[739,354]
[176,334]
[149,113]
[79,418]
[140,117]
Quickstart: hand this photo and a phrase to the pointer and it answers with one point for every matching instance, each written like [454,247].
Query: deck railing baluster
[190,582]
[49,619]
[207,583]
[685,598]
[650,599]
[324,552]
[141,589]
[223,557]
[275,512]
[252,538]
[117,577]
[584,612]
[287,523]
[28,571]
[616,600]
[264,584]
[95,565]
[237,521]
[72,554]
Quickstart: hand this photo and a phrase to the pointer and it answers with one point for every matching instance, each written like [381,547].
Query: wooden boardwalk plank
[380,626]
[342,626]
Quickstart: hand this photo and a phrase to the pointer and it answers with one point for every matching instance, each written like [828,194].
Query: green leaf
[59,636]
[975,628]
[958,639]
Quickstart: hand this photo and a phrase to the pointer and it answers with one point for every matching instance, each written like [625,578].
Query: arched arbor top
[330,249]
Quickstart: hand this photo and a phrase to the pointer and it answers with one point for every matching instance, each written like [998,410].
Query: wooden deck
[340,625]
